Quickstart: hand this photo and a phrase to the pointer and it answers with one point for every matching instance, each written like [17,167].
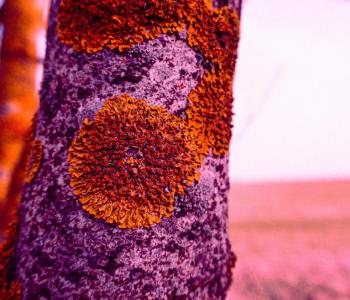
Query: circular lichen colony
[128,162]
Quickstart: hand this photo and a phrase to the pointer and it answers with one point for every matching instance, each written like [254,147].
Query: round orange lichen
[128,162]
[33,162]
[89,26]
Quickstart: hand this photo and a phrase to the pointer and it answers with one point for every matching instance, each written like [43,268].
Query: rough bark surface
[65,253]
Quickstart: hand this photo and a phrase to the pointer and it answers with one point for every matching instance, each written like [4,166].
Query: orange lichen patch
[210,104]
[120,24]
[9,288]
[215,34]
[127,164]
[117,24]
[90,26]
[210,114]
[33,162]
[209,4]
[34,154]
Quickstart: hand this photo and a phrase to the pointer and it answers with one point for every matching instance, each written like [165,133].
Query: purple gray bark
[65,253]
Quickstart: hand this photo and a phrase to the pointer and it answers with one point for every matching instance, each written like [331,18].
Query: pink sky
[292,91]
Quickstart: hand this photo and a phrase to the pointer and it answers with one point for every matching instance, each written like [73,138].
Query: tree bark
[123,119]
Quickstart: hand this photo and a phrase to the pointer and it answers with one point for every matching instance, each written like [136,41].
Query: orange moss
[127,164]
[90,26]
[33,162]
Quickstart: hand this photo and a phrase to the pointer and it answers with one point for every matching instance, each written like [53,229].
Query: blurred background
[289,215]
[290,162]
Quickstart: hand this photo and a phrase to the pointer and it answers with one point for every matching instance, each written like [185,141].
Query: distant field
[292,240]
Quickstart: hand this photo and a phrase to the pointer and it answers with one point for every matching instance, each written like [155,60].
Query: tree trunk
[18,100]
[127,181]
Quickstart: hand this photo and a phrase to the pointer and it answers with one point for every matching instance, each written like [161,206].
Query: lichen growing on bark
[118,24]
[128,162]
[89,26]
[34,160]
[34,153]
[210,103]
[64,252]
[210,113]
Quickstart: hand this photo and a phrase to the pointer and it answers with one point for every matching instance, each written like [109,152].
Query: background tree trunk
[75,243]
[21,22]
